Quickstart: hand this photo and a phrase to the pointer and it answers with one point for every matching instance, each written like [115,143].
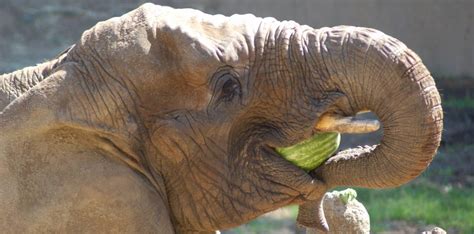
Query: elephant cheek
[168,143]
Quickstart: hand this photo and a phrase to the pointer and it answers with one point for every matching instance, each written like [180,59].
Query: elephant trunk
[380,74]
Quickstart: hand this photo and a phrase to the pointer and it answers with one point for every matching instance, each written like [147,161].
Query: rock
[344,213]
[436,230]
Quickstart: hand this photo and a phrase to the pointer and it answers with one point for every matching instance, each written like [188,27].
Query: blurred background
[440,31]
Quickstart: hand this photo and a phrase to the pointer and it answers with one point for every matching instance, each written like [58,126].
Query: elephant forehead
[204,36]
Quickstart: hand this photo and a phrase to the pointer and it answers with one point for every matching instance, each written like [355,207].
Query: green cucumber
[311,153]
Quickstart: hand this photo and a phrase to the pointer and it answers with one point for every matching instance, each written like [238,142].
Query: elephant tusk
[341,124]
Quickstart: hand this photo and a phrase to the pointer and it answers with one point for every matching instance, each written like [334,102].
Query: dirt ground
[280,222]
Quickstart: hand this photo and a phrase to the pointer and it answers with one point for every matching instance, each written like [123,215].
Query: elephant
[166,120]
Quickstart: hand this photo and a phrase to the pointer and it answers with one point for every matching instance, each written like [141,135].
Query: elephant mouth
[324,143]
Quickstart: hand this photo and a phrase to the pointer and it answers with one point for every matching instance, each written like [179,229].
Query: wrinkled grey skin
[165,121]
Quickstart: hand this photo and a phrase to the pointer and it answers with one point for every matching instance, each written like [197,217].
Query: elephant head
[198,103]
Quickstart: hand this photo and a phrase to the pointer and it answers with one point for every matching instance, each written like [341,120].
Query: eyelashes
[227,90]
[230,89]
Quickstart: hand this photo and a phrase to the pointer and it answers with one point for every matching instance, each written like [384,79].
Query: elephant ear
[15,84]
[33,107]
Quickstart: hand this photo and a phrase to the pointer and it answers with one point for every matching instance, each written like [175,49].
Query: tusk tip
[334,123]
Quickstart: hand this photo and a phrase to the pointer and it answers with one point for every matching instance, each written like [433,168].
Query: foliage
[423,203]
[281,221]
[466,102]
[420,203]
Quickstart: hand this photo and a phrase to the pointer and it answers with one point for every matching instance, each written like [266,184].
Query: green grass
[421,203]
[459,103]
[267,224]
[428,200]
[257,226]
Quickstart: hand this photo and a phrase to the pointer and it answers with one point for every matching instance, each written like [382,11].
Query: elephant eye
[230,90]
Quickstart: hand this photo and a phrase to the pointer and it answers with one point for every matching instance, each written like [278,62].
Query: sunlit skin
[166,120]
